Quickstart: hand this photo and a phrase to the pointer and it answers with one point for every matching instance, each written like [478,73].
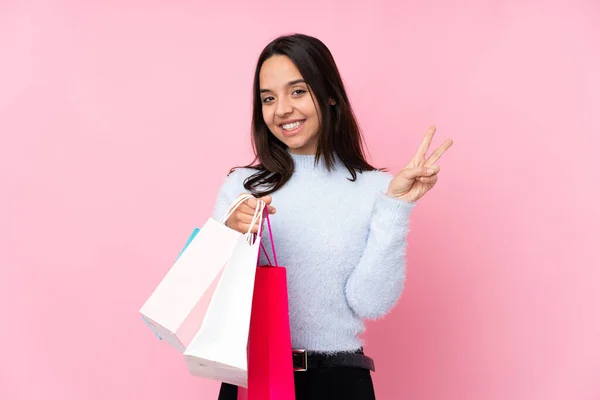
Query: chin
[295,144]
[304,149]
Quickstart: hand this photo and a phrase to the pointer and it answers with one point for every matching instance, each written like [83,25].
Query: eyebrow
[291,83]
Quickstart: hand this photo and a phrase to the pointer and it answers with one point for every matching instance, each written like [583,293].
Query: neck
[302,152]
[306,162]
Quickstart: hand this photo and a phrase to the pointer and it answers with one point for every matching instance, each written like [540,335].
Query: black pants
[324,383]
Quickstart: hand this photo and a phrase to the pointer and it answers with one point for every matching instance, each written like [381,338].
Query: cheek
[309,109]
[313,116]
[267,116]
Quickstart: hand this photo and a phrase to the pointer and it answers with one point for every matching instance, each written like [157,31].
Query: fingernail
[430,170]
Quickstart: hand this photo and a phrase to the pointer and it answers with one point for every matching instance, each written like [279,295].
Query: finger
[245,227]
[251,202]
[428,179]
[413,173]
[439,152]
[420,154]
[255,227]
[245,220]
[246,210]
[244,194]
[267,199]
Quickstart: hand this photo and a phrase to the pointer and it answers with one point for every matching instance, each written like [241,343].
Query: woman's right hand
[241,218]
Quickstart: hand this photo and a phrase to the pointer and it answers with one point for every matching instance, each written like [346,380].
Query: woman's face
[287,105]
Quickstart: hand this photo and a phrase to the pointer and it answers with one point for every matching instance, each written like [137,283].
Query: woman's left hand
[421,173]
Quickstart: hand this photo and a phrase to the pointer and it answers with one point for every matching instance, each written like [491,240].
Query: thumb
[414,173]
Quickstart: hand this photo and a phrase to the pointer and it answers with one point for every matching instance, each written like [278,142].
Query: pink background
[120,120]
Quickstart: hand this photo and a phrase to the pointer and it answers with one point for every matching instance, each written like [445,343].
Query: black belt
[303,360]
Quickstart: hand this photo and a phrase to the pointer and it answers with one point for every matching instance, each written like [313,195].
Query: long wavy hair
[339,134]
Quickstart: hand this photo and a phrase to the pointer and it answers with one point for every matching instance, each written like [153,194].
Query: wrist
[400,198]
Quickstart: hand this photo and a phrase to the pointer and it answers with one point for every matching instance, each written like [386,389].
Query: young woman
[341,224]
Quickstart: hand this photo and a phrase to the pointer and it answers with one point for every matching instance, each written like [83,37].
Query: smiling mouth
[292,126]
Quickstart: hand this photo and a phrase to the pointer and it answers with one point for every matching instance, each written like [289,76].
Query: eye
[267,99]
[298,91]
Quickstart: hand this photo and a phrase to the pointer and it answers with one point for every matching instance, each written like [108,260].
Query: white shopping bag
[176,308]
[219,349]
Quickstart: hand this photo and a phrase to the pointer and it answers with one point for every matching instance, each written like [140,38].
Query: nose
[284,107]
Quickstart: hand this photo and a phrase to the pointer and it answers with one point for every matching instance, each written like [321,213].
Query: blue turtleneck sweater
[343,244]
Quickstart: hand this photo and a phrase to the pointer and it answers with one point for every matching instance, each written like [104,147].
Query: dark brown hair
[338,134]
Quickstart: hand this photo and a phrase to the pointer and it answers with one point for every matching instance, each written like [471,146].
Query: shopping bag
[270,367]
[219,350]
[192,236]
[177,306]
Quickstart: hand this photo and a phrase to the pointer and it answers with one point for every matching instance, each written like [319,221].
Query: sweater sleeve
[377,281]
[231,187]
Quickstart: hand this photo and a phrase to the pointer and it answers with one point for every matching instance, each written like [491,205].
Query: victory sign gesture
[421,173]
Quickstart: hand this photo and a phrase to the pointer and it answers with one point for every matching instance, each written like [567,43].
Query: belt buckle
[304,356]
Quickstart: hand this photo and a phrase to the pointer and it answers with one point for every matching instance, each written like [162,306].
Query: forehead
[277,71]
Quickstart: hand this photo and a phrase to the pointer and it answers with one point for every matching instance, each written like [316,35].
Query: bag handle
[262,246]
[260,206]
[238,202]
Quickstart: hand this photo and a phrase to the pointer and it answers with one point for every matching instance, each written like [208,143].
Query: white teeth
[289,127]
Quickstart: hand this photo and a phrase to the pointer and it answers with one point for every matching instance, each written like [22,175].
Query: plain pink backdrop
[119,122]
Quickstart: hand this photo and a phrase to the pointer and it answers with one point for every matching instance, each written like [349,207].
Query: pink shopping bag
[270,368]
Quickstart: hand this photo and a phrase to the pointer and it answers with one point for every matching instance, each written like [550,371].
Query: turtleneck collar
[307,162]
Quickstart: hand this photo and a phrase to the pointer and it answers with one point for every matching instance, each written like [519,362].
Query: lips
[290,128]
[292,124]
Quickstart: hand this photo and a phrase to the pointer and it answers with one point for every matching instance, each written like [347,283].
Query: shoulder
[232,183]
[376,179]
[240,174]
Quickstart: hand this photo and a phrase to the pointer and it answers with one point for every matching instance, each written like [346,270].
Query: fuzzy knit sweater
[343,245]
